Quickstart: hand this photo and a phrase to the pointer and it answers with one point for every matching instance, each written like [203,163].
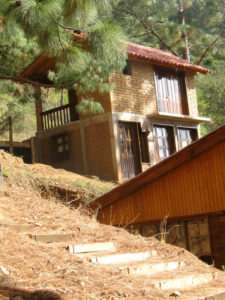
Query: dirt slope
[27,266]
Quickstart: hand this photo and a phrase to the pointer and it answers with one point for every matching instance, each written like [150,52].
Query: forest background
[192,29]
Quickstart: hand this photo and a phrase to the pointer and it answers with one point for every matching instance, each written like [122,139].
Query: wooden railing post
[38,106]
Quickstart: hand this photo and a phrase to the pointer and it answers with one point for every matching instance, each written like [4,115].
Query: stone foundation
[197,235]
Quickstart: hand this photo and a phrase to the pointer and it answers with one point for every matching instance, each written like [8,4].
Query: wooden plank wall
[195,187]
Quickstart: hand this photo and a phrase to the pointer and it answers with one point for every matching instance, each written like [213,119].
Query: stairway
[177,278]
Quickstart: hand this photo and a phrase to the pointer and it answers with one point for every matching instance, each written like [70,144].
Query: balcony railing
[56,117]
[170,106]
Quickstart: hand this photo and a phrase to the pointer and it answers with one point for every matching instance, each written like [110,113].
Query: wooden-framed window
[163,141]
[171,91]
[128,68]
[186,136]
[61,147]
[144,150]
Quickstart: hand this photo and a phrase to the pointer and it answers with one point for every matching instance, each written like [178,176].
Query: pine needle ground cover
[28,266]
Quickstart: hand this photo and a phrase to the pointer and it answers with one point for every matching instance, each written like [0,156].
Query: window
[61,147]
[171,91]
[143,137]
[163,141]
[186,136]
[128,68]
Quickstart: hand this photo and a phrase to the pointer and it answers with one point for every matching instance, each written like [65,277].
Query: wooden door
[129,149]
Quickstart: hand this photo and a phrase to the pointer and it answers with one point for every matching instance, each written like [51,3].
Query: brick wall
[75,151]
[104,99]
[136,93]
[191,95]
[98,150]
[46,152]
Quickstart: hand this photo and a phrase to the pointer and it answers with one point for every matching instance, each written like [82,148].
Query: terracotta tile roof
[162,57]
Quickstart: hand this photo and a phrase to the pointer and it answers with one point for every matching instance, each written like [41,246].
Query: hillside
[36,270]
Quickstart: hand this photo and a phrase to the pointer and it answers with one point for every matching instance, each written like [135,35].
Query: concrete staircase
[172,276]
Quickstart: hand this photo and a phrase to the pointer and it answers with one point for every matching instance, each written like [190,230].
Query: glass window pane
[159,131]
[161,153]
[59,140]
[60,148]
[160,142]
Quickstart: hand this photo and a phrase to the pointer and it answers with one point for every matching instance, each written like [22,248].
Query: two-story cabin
[151,113]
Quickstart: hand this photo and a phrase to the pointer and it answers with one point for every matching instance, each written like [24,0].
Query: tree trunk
[184,35]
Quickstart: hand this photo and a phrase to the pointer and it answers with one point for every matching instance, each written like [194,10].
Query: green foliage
[16,101]
[159,24]
[89,107]
[50,26]
[32,27]
[211,97]
[5,172]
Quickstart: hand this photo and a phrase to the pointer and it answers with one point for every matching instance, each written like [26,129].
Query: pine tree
[192,29]
[48,26]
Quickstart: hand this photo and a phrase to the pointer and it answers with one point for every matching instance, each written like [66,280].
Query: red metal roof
[162,57]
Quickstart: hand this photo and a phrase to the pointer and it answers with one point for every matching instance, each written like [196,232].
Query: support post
[38,106]
[10,136]
[32,147]
[185,231]
[73,101]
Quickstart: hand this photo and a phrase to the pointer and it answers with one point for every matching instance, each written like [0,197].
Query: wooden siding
[191,182]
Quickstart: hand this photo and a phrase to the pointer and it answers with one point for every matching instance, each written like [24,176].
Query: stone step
[150,269]
[52,238]
[183,282]
[93,247]
[220,296]
[16,227]
[122,258]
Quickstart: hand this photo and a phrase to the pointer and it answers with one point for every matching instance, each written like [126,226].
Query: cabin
[150,114]
[181,199]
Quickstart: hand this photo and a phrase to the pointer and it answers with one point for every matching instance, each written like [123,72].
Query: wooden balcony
[171,106]
[58,116]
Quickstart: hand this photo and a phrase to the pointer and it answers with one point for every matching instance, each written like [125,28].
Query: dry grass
[36,266]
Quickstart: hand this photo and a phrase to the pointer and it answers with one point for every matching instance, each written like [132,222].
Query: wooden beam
[5,144]
[10,136]
[73,101]
[38,106]
[32,146]
[185,232]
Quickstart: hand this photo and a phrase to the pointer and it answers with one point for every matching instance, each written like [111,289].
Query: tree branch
[60,25]
[36,83]
[60,41]
[207,50]
[149,27]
